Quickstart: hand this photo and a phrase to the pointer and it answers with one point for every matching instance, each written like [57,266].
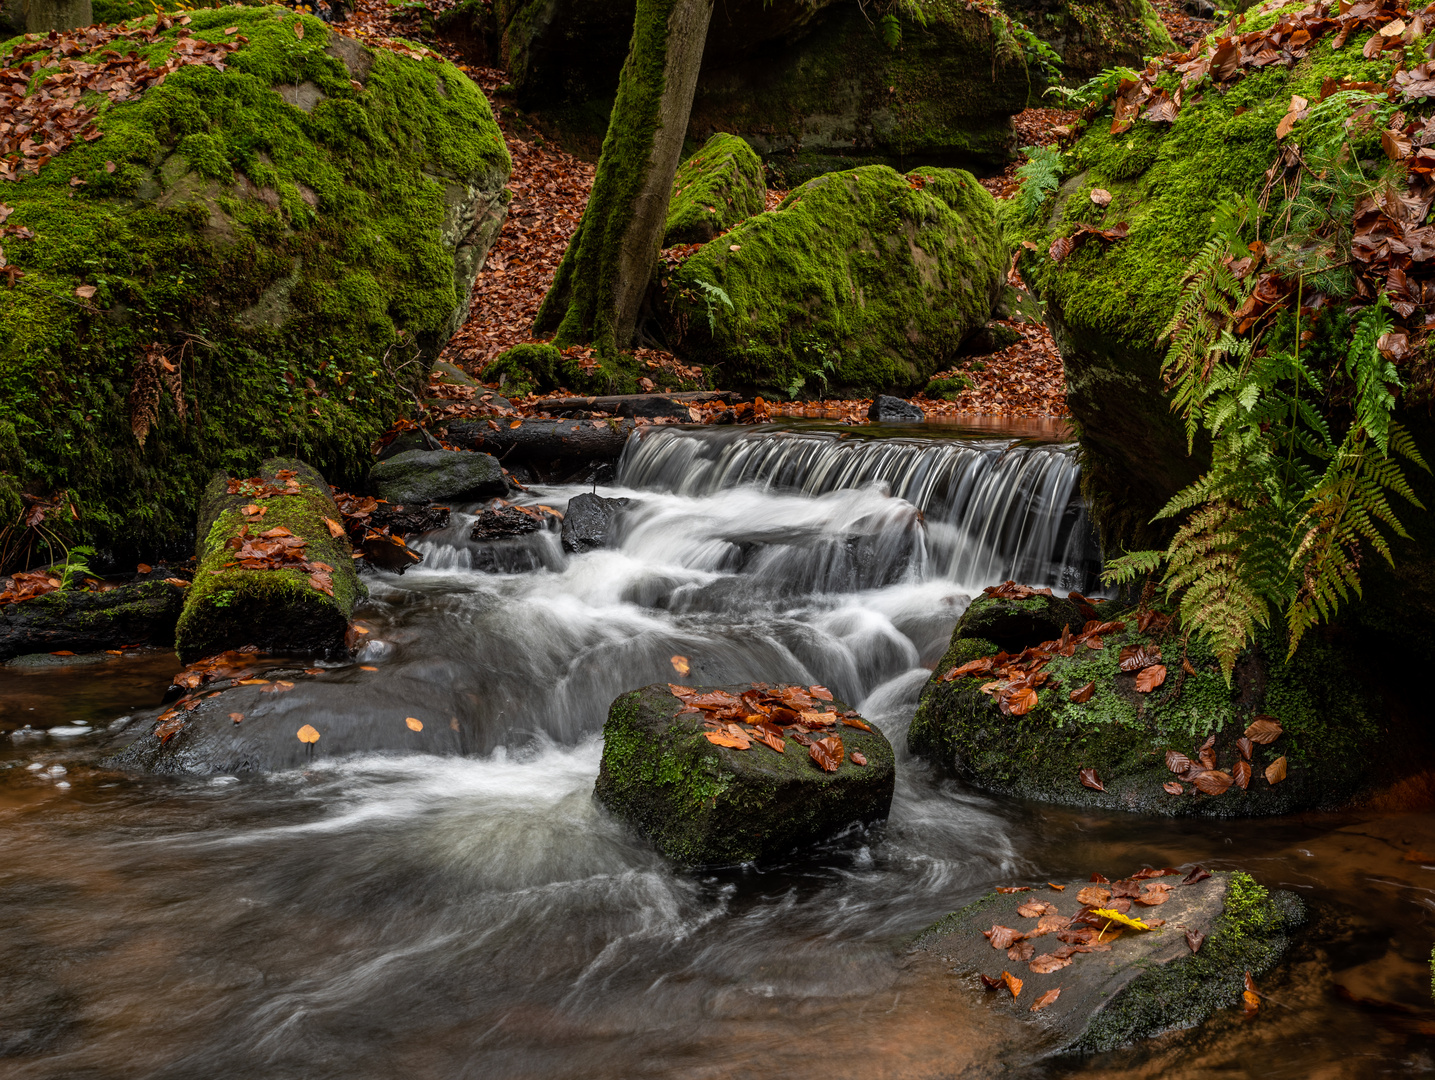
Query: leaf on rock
[1173,788]
[856,722]
[1250,1002]
[1021,952]
[1264,730]
[1194,940]
[1035,909]
[1020,702]
[770,737]
[988,983]
[1091,896]
[85,292]
[858,758]
[1208,758]
[1154,894]
[236,716]
[1149,678]
[1177,762]
[1101,197]
[1091,780]
[1245,746]
[1242,774]
[307,734]
[1050,924]
[821,693]
[1276,771]
[1136,657]
[1047,998]
[1046,963]
[1197,873]
[1213,782]
[414,723]
[1012,983]
[827,753]
[1111,915]
[1099,879]
[1013,888]
[1083,693]
[1002,937]
[1058,888]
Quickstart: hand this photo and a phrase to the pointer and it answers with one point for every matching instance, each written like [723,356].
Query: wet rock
[142,613]
[1014,624]
[588,521]
[1148,983]
[886,409]
[421,476]
[1331,747]
[412,439]
[1199,9]
[498,522]
[409,519]
[705,805]
[547,440]
[290,607]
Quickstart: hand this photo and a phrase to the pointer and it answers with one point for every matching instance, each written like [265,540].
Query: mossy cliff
[1092,35]
[706,805]
[860,281]
[715,188]
[1332,723]
[278,609]
[268,244]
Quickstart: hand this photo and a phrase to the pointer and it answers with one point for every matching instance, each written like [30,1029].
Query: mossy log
[706,805]
[142,613]
[280,610]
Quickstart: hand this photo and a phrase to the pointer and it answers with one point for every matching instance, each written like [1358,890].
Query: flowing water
[469,911]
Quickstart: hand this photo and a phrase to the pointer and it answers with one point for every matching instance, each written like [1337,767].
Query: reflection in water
[479,916]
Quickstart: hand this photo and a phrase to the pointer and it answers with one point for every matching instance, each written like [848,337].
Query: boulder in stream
[886,409]
[424,476]
[706,802]
[275,568]
[1134,984]
[588,521]
[80,620]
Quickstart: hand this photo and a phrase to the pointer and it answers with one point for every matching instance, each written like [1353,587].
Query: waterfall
[993,508]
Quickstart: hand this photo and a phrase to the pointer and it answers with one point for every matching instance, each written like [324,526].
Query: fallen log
[648,405]
[275,568]
[544,440]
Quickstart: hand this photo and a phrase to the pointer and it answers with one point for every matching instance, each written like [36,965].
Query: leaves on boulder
[1090,779]
[1276,771]
[1264,730]
[1147,679]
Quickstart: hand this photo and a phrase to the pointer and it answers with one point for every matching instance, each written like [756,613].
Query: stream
[467,910]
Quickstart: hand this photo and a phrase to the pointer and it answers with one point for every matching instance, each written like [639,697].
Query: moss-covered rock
[1332,724]
[281,610]
[287,231]
[1092,35]
[702,805]
[860,282]
[81,620]
[420,476]
[526,368]
[1149,982]
[714,189]
[1014,624]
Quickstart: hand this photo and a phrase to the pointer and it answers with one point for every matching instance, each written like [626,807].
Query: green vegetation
[716,188]
[286,262]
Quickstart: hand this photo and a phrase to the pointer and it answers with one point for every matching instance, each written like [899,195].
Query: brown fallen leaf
[1050,924]
[1021,952]
[1012,983]
[1013,888]
[821,693]
[1147,679]
[1051,995]
[1091,896]
[278,687]
[1213,782]
[1208,758]
[680,664]
[236,716]
[1136,657]
[1058,888]
[1173,788]
[1154,894]
[1083,693]
[414,723]
[1099,879]
[1020,702]
[1101,197]
[1264,730]
[1091,780]
[1046,963]
[722,738]
[1035,909]
[1276,771]
[1197,873]
[85,292]
[827,753]
[857,757]
[307,734]
[1002,937]
[1194,940]
[1245,746]
[988,983]
[335,529]
[1241,771]
[1250,999]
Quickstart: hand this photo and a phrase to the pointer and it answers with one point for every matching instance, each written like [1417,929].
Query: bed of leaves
[771,715]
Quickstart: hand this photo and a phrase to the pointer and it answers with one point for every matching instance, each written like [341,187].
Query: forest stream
[473,913]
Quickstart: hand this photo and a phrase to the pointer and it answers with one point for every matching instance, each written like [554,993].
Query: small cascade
[993,508]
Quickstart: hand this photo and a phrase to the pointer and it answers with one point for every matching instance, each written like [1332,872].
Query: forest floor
[549,191]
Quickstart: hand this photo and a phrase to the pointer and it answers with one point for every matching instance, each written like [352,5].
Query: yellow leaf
[298,29]
[1117,917]
[681,665]
[414,723]
[308,735]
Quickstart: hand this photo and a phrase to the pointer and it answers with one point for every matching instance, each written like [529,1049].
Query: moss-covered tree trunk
[599,288]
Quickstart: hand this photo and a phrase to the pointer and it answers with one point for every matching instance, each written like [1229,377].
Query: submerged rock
[886,409]
[423,476]
[1329,720]
[588,521]
[1147,982]
[720,185]
[701,804]
[141,613]
[295,606]
[860,282]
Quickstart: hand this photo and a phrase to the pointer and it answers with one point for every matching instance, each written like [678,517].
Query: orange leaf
[1048,997]
[827,753]
[307,734]
[1012,983]
[680,664]
[1173,788]
[1149,678]
[335,529]
[1083,693]
[1264,730]
[414,723]
[1276,771]
[719,738]
[236,716]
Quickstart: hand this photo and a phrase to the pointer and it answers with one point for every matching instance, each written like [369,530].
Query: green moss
[859,282]
[526,368]
[278,254]
[948,388]
[714,189]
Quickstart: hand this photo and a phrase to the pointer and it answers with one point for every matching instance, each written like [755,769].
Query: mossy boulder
[860,282]
[81,620]
[1334,724]
[706,805]
[284,234]
[281,610]
[1148,983]
[1012,625]
[1093,35]
[714,189]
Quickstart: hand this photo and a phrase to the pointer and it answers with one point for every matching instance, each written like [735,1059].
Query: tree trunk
[605,273]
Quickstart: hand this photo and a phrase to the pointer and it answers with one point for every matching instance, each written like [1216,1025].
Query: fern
[712,295]
[1094,92]
[891,29]
[1040,176]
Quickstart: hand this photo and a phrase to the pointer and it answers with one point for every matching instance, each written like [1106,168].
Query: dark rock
[437,476]
[886,409]
[547,440]
[1148,983]
[1199,9]
[991,338]
[412,439]
[144,612]
[705,805]
[497,522]
[588,521]
[409,519]
[1014,624]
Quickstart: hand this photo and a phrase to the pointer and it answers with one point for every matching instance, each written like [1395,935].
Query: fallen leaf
[1049,924]
[1035,909]
[858,758]
[307,734]
[1136,657]
[367,667]
[1242,773]
[1083,693]
[1091,780]
[821,693]
[84,292]
[855,722]
[279,687]
[827,753]
[1153,895]
[1173,788]
[1099,879]
[1091,896]
[1197,874]
[236,716]
[1012,983]
[1101,197]
[1194,940]
[177,582]
[253,682]
[680,664]
[1046,963]
[1020,702]
[1013,888]
[1021,952]
[720,738]
[1058,888]
[62,652]
[1250,1002]
[414,723]
[1264,730]
[988,983]
[335,529]
[1047,998]
[1112,915]
[298,29]
[1276,771]
[1213,782]
[1149,678]
[1245,746]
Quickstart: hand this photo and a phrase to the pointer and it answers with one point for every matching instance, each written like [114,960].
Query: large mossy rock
[259,239]
[714,189]
[1333,723]
[141,613]
[280,609]
[1148,983]
[860,282]
[420,476]
[1093,35]
[706,805]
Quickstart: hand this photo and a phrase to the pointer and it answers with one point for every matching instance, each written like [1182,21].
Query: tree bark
[600,285]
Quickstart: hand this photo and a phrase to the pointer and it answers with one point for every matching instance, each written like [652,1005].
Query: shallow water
[469,911]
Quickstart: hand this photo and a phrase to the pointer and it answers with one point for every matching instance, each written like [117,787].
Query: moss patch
[277,254]
[715,189]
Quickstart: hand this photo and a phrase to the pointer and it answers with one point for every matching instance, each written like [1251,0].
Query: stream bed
[467,911]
